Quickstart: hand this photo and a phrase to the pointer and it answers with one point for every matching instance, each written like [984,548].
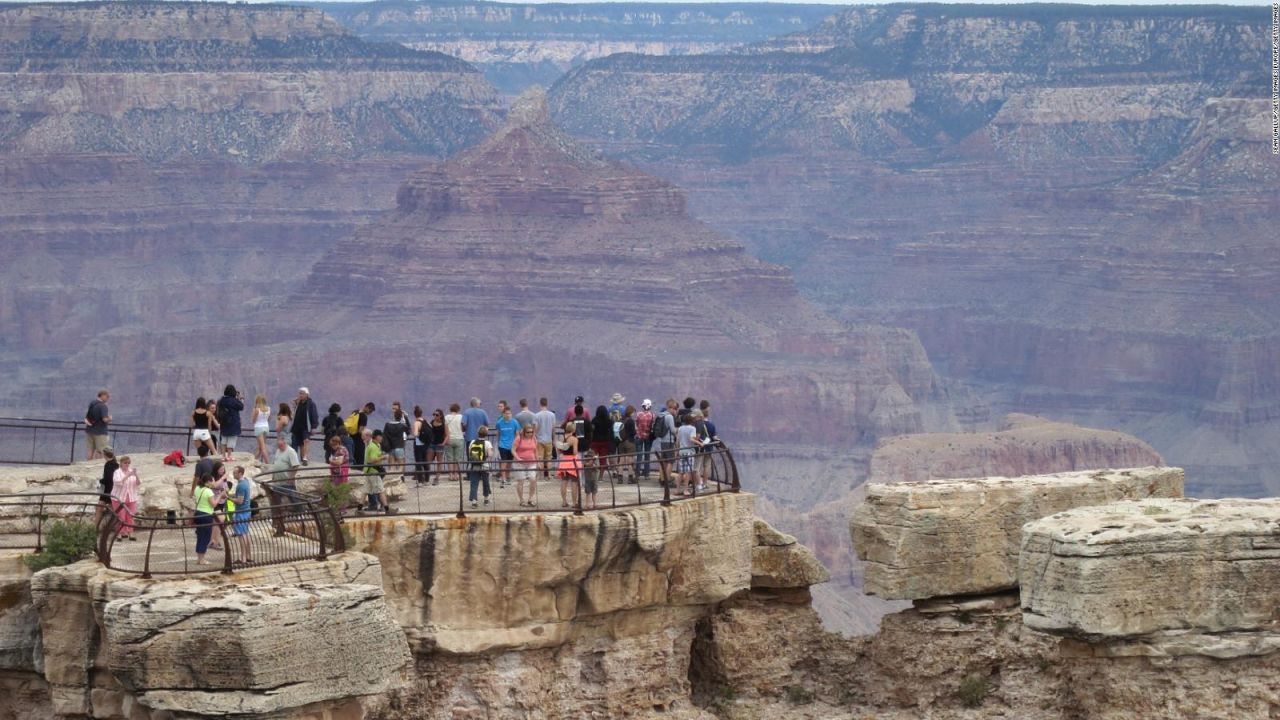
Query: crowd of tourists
[516,445]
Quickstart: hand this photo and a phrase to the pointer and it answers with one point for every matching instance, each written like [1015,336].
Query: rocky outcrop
[257,650]
[1160,601]
[957,537]
[779,561]
[1025,445]
[71,602]
[1134,568]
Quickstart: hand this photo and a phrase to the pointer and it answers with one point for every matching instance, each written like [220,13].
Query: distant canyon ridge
[878,242]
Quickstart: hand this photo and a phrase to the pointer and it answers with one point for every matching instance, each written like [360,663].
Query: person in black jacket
[230,405]
[305,419]
[329,426]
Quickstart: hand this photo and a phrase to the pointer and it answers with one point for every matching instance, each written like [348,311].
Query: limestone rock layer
[953,537]
[1133,568]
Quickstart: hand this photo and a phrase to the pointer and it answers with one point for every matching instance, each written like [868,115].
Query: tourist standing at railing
[201,423]
[616,406]
[525,451]
[285,466]
[230,405]
[284,421]
[524,416]
[665,438]
[592,467]
[421,446]
[627,445]
[581,419]
[479,455]
[569,469]
[221,488]
[507,428]
[688,441]
[374,472]
[203,497]
[105,499]
[644,437]
[305,419]
[356,428]
[439,438]
[261,427]
[544,431]
[707,432]
[455,441]
[339,461]
[396,431]
[602,435]
[125,489]
[96,421]
[242,500]
[330,423]
[472,419]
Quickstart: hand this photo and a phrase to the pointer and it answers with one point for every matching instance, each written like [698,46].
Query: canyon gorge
[903,243]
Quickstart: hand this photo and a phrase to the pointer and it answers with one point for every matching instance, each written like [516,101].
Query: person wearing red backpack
[644,437]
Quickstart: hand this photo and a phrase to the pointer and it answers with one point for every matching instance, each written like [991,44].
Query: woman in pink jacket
[124,496]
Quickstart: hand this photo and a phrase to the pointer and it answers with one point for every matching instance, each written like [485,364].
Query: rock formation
[961,537]
[520,45]
[1063,202]
[1168,606]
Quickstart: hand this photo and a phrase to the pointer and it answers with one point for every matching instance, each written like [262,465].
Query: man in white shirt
[544,424]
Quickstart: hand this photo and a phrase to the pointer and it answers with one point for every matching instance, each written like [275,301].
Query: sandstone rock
[953,537]
[237,650]
[779,561]
[493,582]
[20,645]
[1133,568]
[1177,687]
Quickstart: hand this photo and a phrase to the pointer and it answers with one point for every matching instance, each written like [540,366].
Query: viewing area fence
[301,515]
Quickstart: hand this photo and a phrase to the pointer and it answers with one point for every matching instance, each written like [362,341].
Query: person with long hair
[202,422]
[284,420]
[261,426]
[435,451]
[203,497]
[229,407]
[569,469]
[602,436]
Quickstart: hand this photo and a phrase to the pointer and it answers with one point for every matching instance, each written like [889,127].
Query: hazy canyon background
[888,243]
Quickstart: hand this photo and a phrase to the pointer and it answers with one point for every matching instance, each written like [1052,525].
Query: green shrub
[973,690]
[65,542]
[337,496]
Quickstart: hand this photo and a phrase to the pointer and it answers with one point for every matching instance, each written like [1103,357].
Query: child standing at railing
[124,492]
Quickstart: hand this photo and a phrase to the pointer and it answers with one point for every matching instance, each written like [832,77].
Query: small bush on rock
[973,690]
[65,542]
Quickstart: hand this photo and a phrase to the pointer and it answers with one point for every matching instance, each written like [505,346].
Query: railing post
[74,432]
[40,526]
[226,545]
[733,469]
[460,514]
[666,493]
[339,540]
[315,515]
[146,559]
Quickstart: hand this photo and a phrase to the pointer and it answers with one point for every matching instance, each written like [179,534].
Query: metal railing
[291,528]
[442,487]
[24,518]
[36,441]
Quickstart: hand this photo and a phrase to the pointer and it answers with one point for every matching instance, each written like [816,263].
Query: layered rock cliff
[1066,203]
[519,45]
[177,80]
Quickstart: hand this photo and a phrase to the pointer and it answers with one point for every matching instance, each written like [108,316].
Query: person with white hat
[644,437]
[305,419]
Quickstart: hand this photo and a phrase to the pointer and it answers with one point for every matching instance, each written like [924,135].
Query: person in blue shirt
[472,418]
[507,427]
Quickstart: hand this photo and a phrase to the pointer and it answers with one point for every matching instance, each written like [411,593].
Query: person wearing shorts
[544,426]
[374,472]
[455,442]
[96,421]
[525,450]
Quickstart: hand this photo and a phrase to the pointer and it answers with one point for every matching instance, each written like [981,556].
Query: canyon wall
[1067,204]
[519,45]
